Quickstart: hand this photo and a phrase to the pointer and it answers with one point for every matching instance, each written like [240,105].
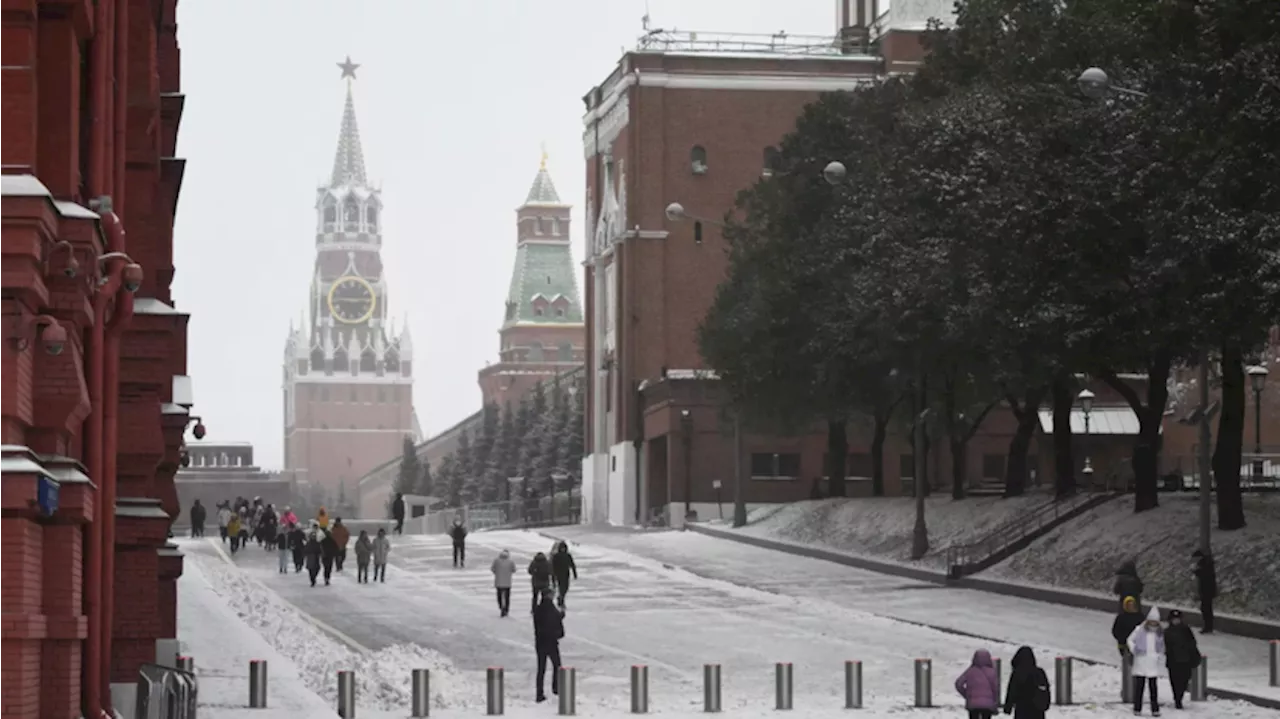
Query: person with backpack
[1182,655]
[1147,646]
[1126,621]
[980,686]
[561,565]
[539,577]
[1027,696]
[458,534]
[548,630]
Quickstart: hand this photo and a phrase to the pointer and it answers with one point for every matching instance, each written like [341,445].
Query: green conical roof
[543,269]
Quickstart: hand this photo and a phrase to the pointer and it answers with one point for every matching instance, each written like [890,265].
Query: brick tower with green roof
[542,332]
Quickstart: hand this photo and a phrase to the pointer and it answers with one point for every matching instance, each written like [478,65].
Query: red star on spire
[348,68]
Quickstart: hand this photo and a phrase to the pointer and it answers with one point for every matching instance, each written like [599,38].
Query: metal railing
[1258,473]
[566,509]
[965,558]
[165,693]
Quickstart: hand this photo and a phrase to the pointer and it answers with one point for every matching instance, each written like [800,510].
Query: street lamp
[834,173]
[1086,405]
[1095,84]
[1257,380]
[686,428]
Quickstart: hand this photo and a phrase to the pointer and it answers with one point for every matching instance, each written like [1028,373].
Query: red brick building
[96,397]
[348,375]
[542,330]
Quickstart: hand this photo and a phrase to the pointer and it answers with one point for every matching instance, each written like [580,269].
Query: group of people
[1027,695]
[321,546]
[1150,647]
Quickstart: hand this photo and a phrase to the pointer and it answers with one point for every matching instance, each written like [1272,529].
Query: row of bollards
[784,685]
[1275,662]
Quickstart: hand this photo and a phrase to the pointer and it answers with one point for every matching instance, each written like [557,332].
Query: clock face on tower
[352,300]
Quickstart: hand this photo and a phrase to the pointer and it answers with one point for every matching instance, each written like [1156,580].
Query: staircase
[1013,537]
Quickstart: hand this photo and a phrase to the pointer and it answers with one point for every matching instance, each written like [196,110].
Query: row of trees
[539,438]
[990,233]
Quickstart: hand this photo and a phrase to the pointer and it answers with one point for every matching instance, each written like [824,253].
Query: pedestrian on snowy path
[561,565]
[1182,655]
[224,518]
[233,530]
[1206,588]
[539,577]
[328,553]
[282,550]
[197,519]
[364,550]
[297,545]
[458,534]
[313,552]
[381,550]
[1027,696]
[1126,621]
[980,686]
[1146,643]
[504,570]
[397,513]
[548,630]
[1127,583]
[341,536]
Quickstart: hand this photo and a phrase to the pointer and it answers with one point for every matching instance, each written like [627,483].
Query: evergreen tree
[554,445]
[508,460]
[533,461]
[410,469]
[425,484]
[575,429]
[495,469]
[465,456]
[449,480]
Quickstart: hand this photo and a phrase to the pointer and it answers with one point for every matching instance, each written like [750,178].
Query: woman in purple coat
[980,686]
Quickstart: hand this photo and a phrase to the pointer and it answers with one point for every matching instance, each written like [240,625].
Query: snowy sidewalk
[222,646]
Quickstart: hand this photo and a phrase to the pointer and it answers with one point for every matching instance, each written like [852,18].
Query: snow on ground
[1082,554]
[382,677]
[880,527]
[628,609]
[1085,552]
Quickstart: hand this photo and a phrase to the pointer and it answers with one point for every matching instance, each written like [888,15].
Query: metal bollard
[1200,681]
[493,697]
[347,694]
[420,680]
[1062,681]
[1275,662]
[187,664]
[639,689]
[999,673]
[711,687]
[924,682]
[258,684]
[853,684]
[782,685]
[567,678]
[1126,679]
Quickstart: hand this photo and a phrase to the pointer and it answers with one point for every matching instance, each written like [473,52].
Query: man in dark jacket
[328,553]
[1028,693]
[548,630]
[1126,621]
[539,577]
[1206,587]
[297,544]
[1182,655]
[458,534]
[197,519]
[314,554]
[397,513]
[561,566]
[1128,584]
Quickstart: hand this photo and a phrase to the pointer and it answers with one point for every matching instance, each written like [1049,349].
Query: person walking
[459,535]
[322,518]
[288,518]
[1027,696]
[980,686]
[561,565]
[381,550]
[364,550]
[298,546]
[504,570]
[1206,588]
[341,536]
[539,577]
[224,518]
[328,553]
[1126,621]
[1182,655]
[1147,646]
[282,549]
[233,530]
[397,513]
[313,551]
[1127,583]
[197,519]
[548,630]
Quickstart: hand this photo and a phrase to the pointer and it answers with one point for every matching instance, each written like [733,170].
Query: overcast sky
[454,98]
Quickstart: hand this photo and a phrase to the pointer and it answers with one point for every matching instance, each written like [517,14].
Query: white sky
[454,98]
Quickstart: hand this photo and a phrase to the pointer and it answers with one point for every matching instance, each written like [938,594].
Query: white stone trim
[645,234]
[784,83]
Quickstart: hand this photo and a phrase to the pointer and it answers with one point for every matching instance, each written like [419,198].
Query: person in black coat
[1028,694]
[539,577]
[1206,587]
[458,534]
[1128,584]
[1182,655]
[197,519]
[298,545]
[561,566]
[397,513]
[328,552]
[548,630]
[1126,621]
[313,551]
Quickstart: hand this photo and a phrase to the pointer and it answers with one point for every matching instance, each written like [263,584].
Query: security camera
[199,430]
[132,276]
[72,267]
[54,338]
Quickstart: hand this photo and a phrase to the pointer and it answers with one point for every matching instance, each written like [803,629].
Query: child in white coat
[1146,644]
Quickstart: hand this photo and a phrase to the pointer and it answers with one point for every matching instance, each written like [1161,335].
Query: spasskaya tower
[348,374]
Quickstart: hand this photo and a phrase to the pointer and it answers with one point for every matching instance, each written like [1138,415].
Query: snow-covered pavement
[629,609]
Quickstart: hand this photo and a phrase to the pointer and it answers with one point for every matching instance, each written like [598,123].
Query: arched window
[535,352]
[317,359]
[566,352]
[368,361]
[698,160]
[340,360]
[330,215]
[352,215]
[371,218]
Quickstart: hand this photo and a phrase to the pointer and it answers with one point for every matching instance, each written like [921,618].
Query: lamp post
[686,429]
[1086,405]
[1257,381]
[1094,83]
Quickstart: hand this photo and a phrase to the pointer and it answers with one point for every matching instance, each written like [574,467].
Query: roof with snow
[543,191]
[348,161]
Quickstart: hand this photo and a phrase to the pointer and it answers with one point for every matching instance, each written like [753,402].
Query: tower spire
[348,162]
[543,191]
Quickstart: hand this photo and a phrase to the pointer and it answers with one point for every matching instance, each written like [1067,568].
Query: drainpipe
[100,80]
[110,446]
[121,47]
[92,537]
